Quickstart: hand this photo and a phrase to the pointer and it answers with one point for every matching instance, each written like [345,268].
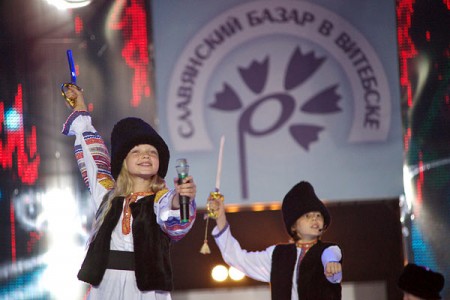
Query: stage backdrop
[301,90]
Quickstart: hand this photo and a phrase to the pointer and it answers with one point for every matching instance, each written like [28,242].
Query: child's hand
[74,93]
[332,268]
[187,188]
[219,208]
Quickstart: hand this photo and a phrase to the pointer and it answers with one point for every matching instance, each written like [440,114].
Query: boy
[307,269]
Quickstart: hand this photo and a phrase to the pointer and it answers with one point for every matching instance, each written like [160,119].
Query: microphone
[182,168]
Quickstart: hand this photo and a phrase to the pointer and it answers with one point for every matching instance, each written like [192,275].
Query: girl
[137,216]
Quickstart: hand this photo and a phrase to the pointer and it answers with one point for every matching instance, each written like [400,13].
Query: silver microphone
[182,168]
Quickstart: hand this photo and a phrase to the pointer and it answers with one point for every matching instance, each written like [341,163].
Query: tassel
[205,248]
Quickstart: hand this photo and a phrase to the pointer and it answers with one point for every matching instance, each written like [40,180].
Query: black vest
[153,268]
[311,283]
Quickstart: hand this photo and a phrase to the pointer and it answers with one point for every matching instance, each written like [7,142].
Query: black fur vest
[311,283]
[153,268]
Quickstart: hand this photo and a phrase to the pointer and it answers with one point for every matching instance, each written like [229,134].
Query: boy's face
[142,161]
[309,226]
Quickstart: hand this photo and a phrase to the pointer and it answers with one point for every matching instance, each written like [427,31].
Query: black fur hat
[421,282]
[300,200]
[130,132]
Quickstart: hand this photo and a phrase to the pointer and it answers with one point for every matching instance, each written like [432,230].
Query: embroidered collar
[126,221]
[306,245]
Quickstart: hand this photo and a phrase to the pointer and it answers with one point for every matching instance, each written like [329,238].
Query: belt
[121,260]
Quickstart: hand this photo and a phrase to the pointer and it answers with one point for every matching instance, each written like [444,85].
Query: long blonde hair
[122,188]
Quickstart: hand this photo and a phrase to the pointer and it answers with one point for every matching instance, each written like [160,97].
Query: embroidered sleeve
[160,194]
[91,154]
[169,219]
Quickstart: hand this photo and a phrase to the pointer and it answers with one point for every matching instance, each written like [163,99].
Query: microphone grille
[182,162]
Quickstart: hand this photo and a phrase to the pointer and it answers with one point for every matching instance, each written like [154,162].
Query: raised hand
[77,97]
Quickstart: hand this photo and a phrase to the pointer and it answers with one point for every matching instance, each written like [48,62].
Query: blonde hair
[122,188]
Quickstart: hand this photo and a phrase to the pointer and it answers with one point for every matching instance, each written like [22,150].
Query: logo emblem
[300,68]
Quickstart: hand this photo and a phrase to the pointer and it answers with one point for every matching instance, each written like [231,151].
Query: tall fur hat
[421,282]
[130,132]
[300,200]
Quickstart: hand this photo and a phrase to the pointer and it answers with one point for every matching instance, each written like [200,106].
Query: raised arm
[90,151]
[256,264]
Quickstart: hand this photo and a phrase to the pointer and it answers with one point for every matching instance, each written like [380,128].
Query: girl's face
[309,226]
[142,161]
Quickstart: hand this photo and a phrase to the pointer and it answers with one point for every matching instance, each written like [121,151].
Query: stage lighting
[13,120]
[235,274]
[67,4]
[219,273]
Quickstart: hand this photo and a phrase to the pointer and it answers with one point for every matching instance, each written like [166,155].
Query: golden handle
[70,101]
[211,204]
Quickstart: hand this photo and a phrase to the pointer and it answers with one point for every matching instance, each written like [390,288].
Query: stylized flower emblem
[301,67]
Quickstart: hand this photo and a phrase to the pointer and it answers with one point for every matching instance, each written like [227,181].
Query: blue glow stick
[73,74]
[73,80]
